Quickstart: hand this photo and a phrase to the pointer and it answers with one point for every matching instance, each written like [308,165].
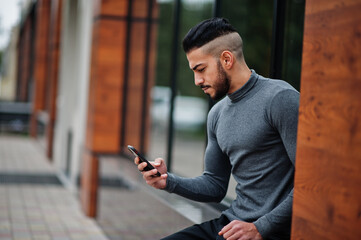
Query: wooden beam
[117,84]
[327,196]
[52,76]
[42,15]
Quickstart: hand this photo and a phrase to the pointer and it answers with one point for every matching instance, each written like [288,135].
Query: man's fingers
[136,160]
[156,181]
[239,229]
[158,161]
[141,166]
[150,175]
[225,229]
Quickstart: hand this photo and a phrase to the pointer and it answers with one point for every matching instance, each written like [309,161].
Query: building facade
[87,67]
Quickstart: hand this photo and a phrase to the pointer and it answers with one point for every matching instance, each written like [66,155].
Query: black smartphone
[142,159]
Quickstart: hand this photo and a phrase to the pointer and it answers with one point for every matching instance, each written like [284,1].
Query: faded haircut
[205,32]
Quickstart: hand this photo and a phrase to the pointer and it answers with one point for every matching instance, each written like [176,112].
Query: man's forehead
[197,57]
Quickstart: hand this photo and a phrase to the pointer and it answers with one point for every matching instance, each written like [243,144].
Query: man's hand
[149,176]
[239,230]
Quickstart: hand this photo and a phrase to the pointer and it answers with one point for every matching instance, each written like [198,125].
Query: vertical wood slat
[108,82]
[104,103]
[148,73]
[24,57]
[52,76]
[90,182]
[327,196]
[107,77]
[40,61]
[135,85]
[141,71]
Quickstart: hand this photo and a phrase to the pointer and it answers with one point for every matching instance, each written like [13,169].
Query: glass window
[253,19]
[292,52]
[161,92]
[191,104]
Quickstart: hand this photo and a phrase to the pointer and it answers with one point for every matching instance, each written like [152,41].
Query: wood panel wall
[24,59]
[123,45]
[140,78]
[38,63]
[53,71]
[327,196]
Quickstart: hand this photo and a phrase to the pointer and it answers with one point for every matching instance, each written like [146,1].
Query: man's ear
[227,59]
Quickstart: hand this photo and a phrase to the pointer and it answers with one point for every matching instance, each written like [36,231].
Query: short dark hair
[205,32]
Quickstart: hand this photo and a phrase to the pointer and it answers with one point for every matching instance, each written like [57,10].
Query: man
[251,134]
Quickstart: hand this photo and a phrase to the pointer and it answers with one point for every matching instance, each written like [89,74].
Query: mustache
[204,86]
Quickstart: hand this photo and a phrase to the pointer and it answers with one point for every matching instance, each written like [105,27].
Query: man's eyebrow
[196,66]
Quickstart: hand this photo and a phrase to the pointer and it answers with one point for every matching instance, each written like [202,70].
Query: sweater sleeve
[212,185]
[283,114]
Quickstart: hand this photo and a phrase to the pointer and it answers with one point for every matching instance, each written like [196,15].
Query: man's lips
[204,88]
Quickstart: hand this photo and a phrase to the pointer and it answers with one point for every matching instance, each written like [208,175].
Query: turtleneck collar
[242,92]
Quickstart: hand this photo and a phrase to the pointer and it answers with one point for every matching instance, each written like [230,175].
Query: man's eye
[201,69]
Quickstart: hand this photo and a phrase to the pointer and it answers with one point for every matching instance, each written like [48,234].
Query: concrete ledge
[194,211]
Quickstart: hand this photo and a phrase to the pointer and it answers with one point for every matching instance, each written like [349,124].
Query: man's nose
[198,80]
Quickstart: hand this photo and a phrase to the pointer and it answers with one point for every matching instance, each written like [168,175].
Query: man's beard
[222,84]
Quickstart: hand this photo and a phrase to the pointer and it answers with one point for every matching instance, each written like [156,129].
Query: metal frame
[278,32]
[173,78]
[146,76]
[126,73]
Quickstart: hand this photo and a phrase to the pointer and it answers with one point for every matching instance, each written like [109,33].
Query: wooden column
[42,14]
[327,196]
[121,79]
[53,71]
[24,59]
[141,66]
[89,183]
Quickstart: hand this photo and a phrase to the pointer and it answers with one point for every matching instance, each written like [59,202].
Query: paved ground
[43,212]
[35,205]
[138,211]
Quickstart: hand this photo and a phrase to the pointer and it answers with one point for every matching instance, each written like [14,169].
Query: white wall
[73,86]
[9,68]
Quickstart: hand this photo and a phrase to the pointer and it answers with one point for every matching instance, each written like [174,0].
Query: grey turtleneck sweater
[251,134]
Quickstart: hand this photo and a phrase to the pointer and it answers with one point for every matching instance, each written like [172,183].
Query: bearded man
[252,133]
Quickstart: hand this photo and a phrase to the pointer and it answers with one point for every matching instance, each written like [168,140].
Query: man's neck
[239,76]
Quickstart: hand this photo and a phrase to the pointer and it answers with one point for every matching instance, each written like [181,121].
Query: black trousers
[203,231]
